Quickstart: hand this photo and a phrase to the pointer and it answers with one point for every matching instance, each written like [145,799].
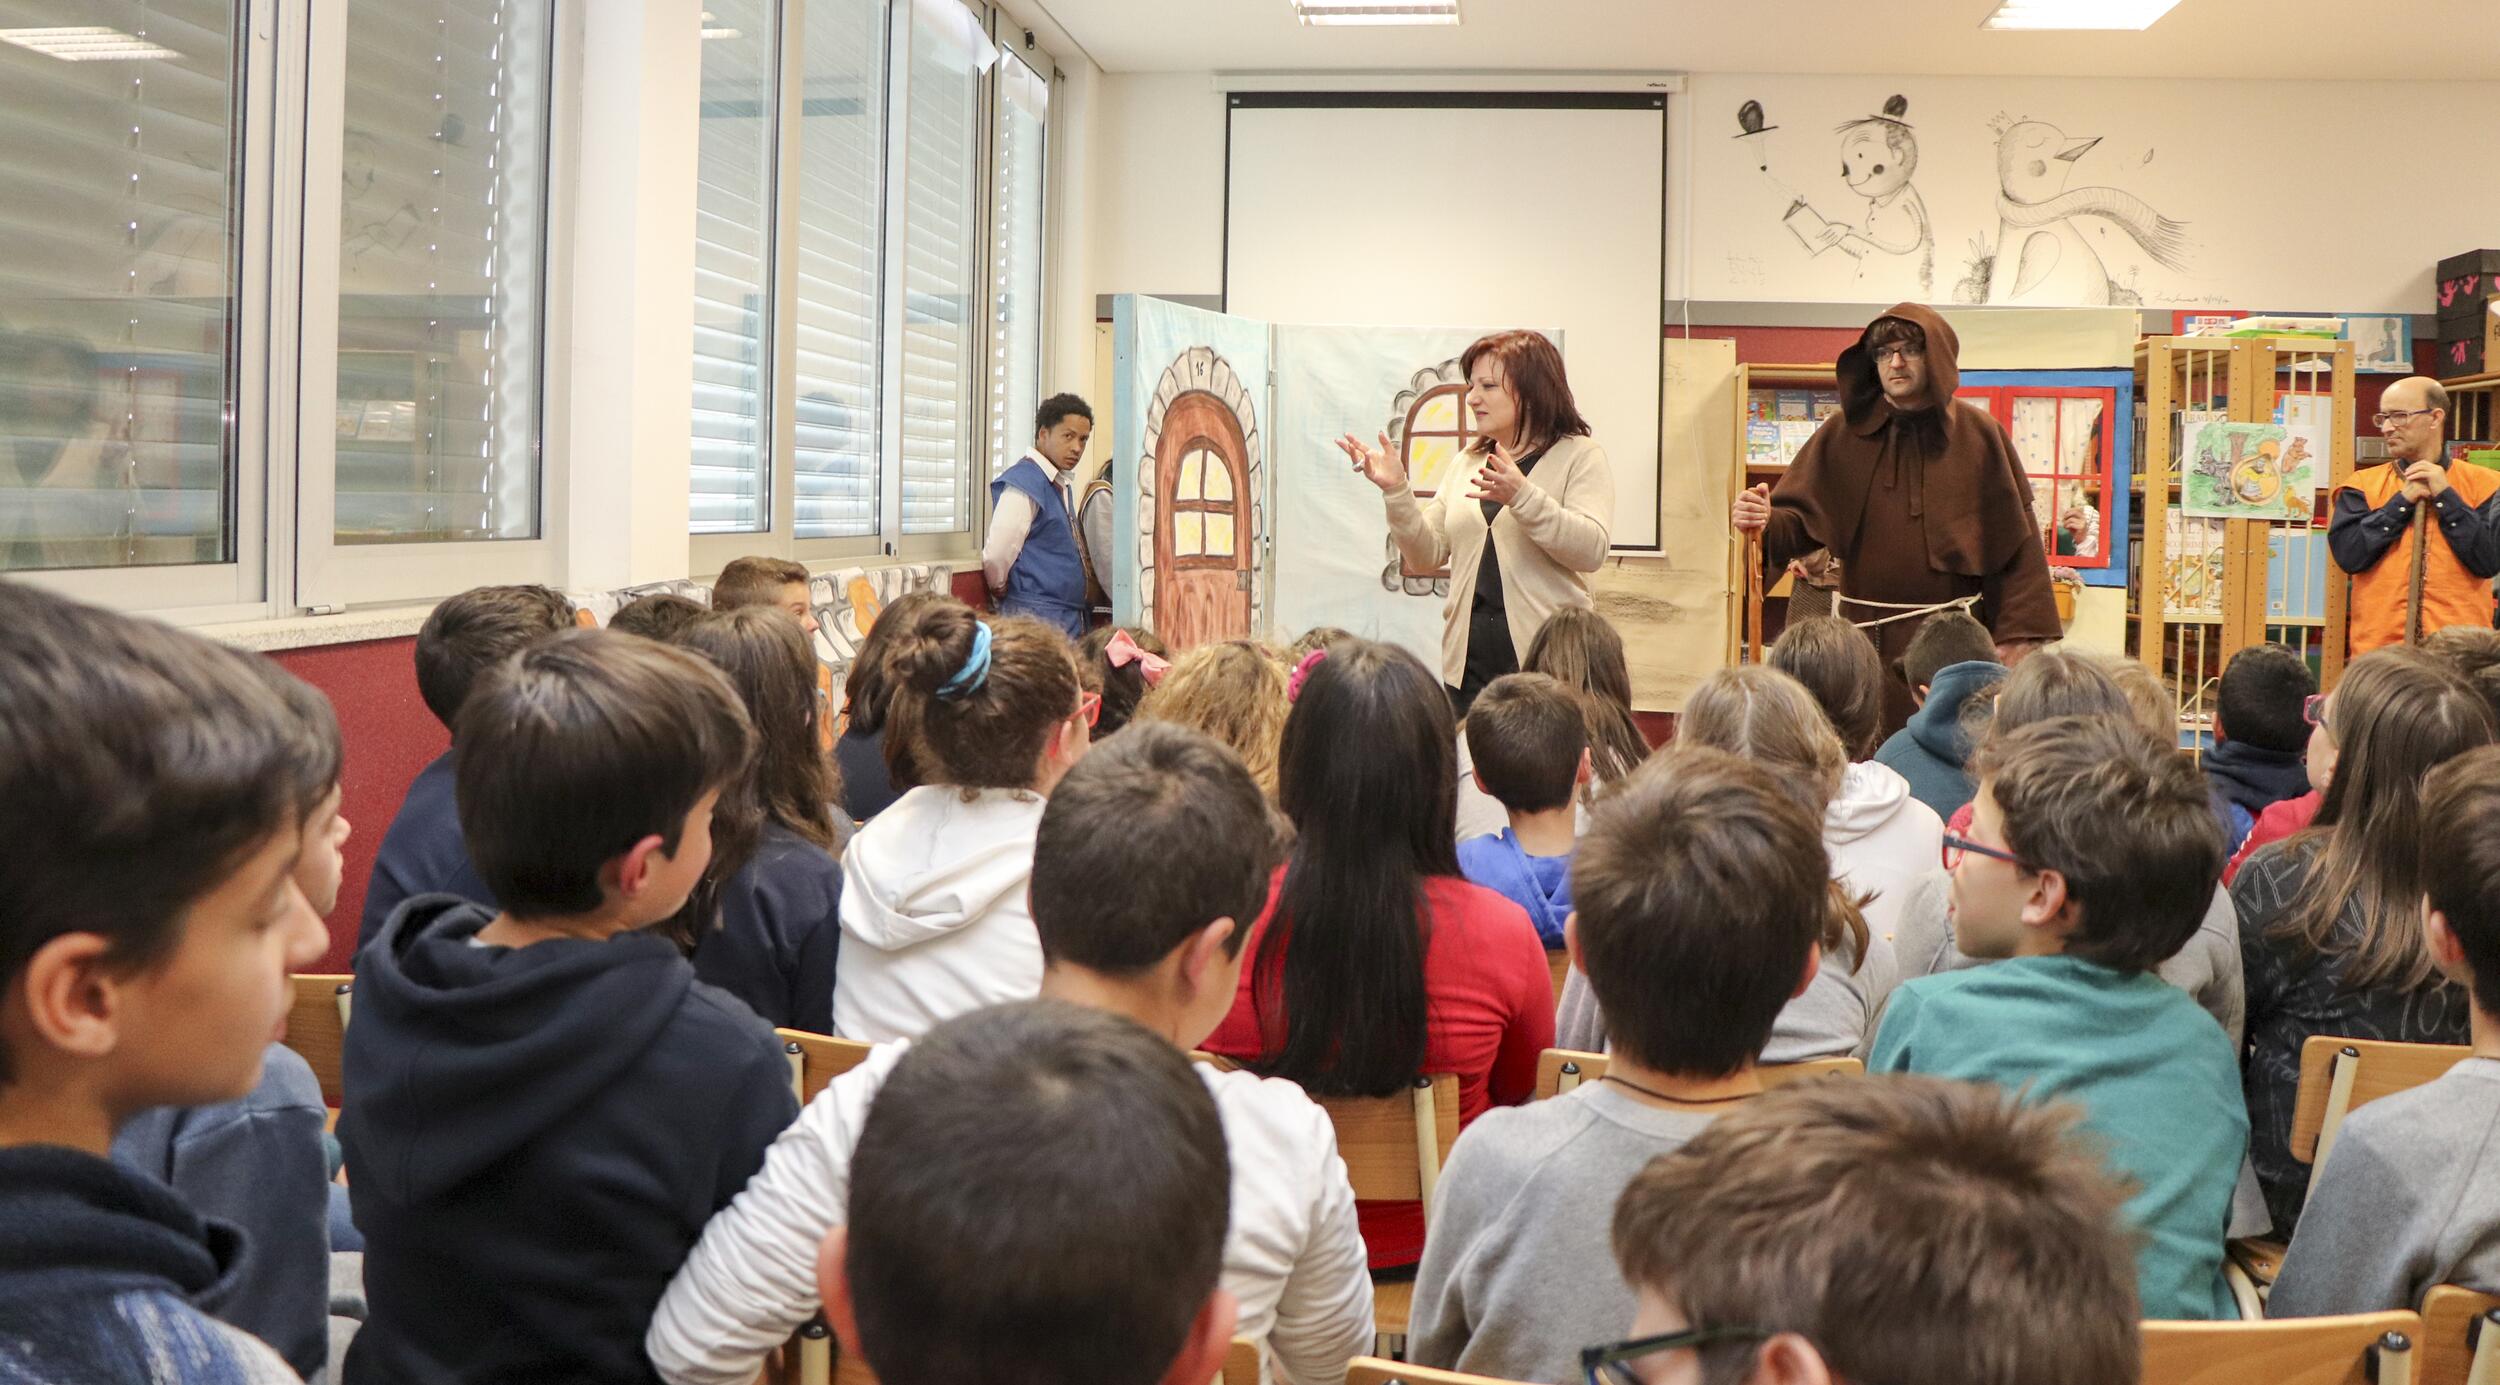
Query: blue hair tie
[976,670]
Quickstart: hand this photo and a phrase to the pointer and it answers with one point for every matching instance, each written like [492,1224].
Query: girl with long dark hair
[1376,964]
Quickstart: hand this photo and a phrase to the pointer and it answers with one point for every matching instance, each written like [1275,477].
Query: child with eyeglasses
[1886,1228]
[2089,860]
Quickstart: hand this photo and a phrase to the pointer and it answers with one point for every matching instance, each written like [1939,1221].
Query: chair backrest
[2337,1075]
[1394,1146]
[817,1059]
[2359,1349]
[2460,1341]
[1371,1370]
[1241,1367]
[1560,960]
[316,1026]
[1558,1070]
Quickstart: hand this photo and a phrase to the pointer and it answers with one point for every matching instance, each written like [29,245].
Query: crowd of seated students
[1122,923]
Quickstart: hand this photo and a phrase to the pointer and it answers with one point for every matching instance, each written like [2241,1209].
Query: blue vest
[1048,580]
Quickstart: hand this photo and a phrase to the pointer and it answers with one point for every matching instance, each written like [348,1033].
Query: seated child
[1039,1197]
[259,1162]
[1175,816]
[1895,1229]
[543,1104]
[1233,691]
[656,616]
[153,803]
[1123,665]
[1701,890]
[2410,1197]
[2259,736]
[2090,859]
[1840,667]
[872,778]
[423,852]
[1951,658]
[774,582]
[1530,747]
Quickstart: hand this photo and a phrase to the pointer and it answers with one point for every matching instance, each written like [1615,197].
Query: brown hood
[1862,394]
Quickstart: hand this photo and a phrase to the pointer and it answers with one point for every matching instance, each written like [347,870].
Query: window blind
[841,211]
[1017,161]
[734,175]
[941,384]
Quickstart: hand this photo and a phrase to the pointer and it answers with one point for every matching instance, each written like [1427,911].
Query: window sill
[310,632]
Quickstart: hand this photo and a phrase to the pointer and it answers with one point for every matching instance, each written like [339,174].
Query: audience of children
[1233,690]
[1579,649]
[154,791]
[2090,857]
[1529,746]
[1174,816]
[2407,1199]
[1375,963]
[1839,665]
[2260,736]
[775,582]
[934,918]
[544,1104]
[775,942]
[2331,936]
[1951,660]
[1700,889]
[423,851]
[1876,839]
[872,773]
[1123,664]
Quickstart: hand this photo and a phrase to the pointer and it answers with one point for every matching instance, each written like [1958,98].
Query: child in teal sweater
[2089,860]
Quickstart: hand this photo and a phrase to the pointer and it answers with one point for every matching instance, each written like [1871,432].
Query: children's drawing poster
[2250,471]
[2191,586]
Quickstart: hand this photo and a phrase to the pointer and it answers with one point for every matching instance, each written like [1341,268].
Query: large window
[872,307]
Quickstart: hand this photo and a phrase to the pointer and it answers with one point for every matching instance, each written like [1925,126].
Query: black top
[1490,653]
[778,933]
[867,786]
[422,853]
[535,1138]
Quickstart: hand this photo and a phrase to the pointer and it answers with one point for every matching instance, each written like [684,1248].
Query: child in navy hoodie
[423,851]
[149,915]
[2261,736]
[1530,744]
[543,1104]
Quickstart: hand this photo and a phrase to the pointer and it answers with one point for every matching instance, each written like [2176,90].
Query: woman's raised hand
[1379,465]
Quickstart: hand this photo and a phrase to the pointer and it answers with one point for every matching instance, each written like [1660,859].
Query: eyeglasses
[1089,706]
[2313,709]
[2382,419]
[1956,847]
[1903,350]
[1608,1365]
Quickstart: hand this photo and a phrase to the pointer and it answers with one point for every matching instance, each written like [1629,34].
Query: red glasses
[1089,706]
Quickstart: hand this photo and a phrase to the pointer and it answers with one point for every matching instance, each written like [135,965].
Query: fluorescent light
[2077,14]
[1369,12]
[86,43]
[720,33]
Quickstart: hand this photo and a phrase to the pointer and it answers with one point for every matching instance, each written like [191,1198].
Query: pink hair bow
[1302,673]
[1122,651]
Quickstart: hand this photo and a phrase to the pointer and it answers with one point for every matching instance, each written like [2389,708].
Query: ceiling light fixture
[2077,14]
[86,43]
[1369,12]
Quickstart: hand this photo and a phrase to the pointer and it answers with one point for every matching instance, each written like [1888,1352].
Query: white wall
[1159,189]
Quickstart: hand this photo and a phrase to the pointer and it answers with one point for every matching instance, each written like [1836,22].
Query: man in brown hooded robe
[1919,497]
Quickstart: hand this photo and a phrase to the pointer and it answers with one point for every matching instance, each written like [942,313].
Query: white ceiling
[2286,39]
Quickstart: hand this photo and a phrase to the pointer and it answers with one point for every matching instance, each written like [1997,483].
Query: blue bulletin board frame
[2121,417]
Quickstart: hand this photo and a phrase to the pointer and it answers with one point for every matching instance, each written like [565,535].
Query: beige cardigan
[1549,540]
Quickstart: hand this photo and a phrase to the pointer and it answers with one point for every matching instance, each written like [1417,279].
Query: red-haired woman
[1532,482]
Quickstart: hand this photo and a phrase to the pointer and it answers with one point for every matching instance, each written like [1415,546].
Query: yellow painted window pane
[1428,463]
[1220,535]
[1219,480]
[1193,468]
[1438,414]
[1188,534]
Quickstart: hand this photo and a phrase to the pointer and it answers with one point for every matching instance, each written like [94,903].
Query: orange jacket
[2451,594]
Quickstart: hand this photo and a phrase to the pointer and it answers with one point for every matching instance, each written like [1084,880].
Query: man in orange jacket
[2380,535]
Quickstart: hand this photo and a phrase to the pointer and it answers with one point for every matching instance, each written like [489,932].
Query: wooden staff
[1753,597]
[2413,588]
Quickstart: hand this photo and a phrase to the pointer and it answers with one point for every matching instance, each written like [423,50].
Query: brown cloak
[1920,506]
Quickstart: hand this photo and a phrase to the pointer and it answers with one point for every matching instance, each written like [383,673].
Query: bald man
[2379,530]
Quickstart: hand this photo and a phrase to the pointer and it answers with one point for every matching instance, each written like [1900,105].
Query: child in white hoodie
[988,713]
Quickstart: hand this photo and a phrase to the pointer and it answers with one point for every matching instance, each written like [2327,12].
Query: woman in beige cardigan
[1532,480]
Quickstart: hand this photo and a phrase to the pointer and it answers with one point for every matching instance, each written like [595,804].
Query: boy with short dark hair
[422,851]
[1702,892]
[2091,856]
[1950,659]
[2259,737]
[2410,1197]
[759,581]
[1528,740]
[1039,1196]
[1174,818]
[1883,1228]
[543,1103]
[656,616]
[149,916]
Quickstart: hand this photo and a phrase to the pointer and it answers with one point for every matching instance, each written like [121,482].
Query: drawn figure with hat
[1878,157]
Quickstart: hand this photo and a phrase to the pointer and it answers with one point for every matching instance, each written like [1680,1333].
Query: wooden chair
[2460,1338]
[2359,1349]
[817,1059]
[2338,1075]
[1371,1370]
[1393,1147]
[1241,1367]
[1560,960]
[316,1027]
[1558,1070]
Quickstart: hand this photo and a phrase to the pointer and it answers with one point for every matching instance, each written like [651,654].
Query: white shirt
[1292,1255]
[1013,520]
[934,918]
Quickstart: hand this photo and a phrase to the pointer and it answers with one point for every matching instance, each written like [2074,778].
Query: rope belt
[1906,610]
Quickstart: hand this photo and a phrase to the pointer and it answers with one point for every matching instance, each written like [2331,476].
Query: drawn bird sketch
[2041,254]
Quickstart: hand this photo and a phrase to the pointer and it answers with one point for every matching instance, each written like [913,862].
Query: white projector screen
[1531,211]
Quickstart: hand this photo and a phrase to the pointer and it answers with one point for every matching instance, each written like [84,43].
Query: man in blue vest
[1031,559]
